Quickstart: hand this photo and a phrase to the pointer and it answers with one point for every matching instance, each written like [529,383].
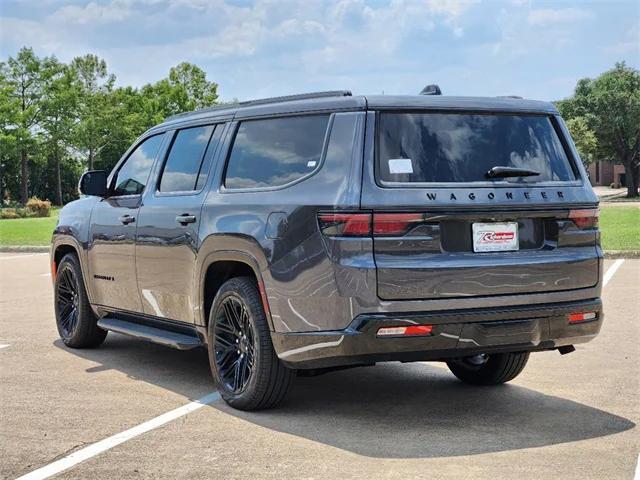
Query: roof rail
[266,101]
[518,97]
[302,96]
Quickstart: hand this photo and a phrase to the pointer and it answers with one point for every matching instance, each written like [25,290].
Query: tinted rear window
[446,147]
[274,152]
[185,159]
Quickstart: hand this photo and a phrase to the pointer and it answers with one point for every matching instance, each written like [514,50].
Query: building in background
[606,173]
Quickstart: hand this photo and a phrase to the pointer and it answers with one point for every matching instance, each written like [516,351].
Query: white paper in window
[400,165]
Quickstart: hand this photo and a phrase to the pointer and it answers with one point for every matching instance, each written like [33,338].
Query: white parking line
[3,345]
[108,443]
[45,274]
[637,474]
[611,271]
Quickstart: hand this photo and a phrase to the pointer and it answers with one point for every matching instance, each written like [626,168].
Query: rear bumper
[454,334]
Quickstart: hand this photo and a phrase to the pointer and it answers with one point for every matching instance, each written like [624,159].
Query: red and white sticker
[495,237]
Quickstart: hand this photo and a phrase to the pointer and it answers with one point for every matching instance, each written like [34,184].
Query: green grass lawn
[620,226]
[28,231]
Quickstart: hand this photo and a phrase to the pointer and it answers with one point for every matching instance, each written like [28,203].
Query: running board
[181,341]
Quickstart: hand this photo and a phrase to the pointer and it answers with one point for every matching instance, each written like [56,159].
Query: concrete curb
[622,254]
[24,248]
[44,248]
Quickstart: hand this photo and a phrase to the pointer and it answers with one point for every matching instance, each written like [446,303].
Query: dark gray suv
[319,231]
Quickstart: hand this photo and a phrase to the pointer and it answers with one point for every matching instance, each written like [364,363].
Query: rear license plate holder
[495,237]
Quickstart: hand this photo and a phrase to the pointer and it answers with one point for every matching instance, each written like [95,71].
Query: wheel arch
[220,266]
[62,245]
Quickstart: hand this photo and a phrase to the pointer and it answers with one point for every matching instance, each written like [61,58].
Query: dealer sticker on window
[400,165]
[495,237]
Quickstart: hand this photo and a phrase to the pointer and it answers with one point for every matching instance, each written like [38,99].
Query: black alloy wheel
[67,300]
[235,345]
[244,364]
[76,321]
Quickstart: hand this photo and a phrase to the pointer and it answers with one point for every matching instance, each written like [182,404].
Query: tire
[492,369]
[76,322]
[243,363]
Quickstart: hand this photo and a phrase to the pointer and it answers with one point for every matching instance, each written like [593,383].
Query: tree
[8,142]
[95,116]
[584,139]
[610,107]
[58,116]
[28,78]
[191,85]
[186,89]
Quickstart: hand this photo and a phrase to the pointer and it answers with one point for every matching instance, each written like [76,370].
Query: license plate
[495,237]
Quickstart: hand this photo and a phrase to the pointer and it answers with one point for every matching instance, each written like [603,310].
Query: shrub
[11,213]
[39,208]
[8,214]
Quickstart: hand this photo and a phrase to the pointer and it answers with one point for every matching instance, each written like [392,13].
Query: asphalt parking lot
[570,416]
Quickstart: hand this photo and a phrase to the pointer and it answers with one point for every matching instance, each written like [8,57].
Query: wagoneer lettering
[326,230]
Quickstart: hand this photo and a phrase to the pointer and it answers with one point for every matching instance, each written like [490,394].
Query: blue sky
[258,48]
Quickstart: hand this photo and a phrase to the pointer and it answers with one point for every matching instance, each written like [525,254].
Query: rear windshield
[450,147]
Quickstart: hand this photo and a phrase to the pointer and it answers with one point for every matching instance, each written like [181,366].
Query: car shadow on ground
[392,410]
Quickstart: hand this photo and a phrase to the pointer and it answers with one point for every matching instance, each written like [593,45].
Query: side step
[181,341]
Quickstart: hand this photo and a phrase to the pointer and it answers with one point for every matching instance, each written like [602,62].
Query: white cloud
[546,16]
[93,13]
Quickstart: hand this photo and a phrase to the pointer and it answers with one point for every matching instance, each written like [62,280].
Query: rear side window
[275,152]
[444,147]
[184,162]
[134,172]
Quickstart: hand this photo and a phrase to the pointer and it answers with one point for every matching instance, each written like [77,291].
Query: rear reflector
[345,224]
[585,218]
[413,330]
[394,223]
[582,317]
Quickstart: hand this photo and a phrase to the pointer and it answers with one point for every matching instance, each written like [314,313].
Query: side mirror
[93,182]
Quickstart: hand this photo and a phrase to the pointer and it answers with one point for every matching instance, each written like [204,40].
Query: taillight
[585,218]
[345,224]
[395,223]
[582,317]
[410,331]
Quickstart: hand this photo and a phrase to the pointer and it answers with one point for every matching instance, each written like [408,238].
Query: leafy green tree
[128,111]
[191,87]
[28,79]
[185,89]
[95,114]
[610,107]
[9,167]
[59,112]
[55,119]
[584,139]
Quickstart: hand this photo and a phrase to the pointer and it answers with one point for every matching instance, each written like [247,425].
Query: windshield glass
[450,147]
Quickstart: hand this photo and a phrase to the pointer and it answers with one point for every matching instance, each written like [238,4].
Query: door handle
[127,219]
[185,218]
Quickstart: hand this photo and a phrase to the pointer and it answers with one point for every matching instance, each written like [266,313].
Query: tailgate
[422,255]
[477,203]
